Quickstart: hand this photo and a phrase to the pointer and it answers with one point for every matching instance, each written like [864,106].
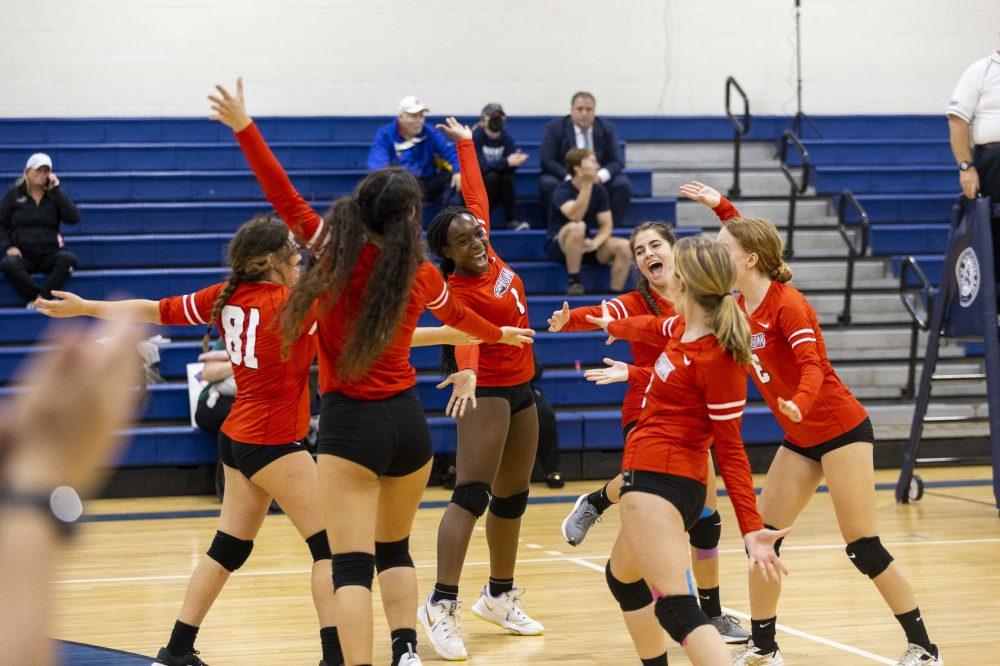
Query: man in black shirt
[499,157]
[30,242]
[580,224]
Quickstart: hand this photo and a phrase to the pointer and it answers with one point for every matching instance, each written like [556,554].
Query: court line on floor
[441,504]
[780,627]
[533,560]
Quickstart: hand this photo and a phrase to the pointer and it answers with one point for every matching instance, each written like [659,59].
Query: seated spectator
[420,149]
[582,129]
[580,207]
[499,158]
[30,241]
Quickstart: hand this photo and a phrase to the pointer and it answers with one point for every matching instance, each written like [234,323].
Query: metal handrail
[739,129]
[853,251]
[798,187]
[908,295]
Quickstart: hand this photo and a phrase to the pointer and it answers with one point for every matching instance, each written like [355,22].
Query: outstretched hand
[512,335]
[760,550]
[617,371]
[63,304]
[790,409]
[559,318]
[463,392]
[454,130]
[701,193]
[603,321]
[230,110]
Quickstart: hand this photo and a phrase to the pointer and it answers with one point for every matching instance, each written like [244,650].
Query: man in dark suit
[582,129]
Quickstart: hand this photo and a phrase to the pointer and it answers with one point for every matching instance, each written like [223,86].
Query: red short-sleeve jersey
[272,393]
[694,399]
[790,362]
[644,354]
[497,295]
[391,372]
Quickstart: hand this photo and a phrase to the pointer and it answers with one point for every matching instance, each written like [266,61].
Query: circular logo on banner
[967,272]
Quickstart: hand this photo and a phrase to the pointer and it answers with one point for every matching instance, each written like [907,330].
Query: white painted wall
[309,57]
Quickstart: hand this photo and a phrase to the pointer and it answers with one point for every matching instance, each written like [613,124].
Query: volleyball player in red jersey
[375,451]
[497,440]
[827,434]
[259,443]
[694,399]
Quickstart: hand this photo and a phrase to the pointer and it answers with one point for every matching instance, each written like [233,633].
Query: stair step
[700,156]
[753,182]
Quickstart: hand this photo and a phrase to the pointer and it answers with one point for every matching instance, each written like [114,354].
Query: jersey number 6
[233,319]
[761,373]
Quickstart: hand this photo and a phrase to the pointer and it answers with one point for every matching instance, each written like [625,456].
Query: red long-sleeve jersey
[272,393]
[498,294]
[694,399]
[790,362]
[391,372]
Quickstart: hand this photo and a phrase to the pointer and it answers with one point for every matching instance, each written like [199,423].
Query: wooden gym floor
[121,582]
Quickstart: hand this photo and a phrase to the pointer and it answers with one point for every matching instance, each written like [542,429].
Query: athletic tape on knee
[319,546]
[630,596]
[679,615]
[869,556]
[231,553]
[509,507]
[704,536]
[389,554]
[353,569]
[473,497]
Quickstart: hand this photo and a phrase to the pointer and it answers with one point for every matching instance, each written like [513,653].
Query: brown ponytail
[759,236]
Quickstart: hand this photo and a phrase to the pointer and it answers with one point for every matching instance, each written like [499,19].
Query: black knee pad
[777,544]
[473,497]
[680,615]
[229,551]
[389,554]
[509,507]
[319,546]
[630,596]
[869,556]
[705,534]
[353,569]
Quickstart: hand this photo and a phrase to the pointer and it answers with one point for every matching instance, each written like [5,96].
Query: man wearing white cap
[423,151]
[30,242]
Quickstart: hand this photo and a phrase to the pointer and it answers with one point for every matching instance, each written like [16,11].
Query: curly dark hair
[385,208]
[437,241]
[666,232]
[248,255]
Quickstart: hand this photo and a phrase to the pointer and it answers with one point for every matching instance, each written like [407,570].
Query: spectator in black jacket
[499,158]
[582,129]
[30,241]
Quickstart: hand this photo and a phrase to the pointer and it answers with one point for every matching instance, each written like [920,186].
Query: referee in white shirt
[976,104]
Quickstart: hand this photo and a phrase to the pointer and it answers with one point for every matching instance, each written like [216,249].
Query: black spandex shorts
[687,495]
[861,433]
[629,427]
[389,436]
[251,458]
[519,396]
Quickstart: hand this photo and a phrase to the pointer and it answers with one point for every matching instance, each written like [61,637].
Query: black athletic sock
[182,639]
[442,591]
[916,632]
[574,278]
[500,585]
[332,654]
[762,632]
[599,499]
[709,602]
[655,661]
[402,641]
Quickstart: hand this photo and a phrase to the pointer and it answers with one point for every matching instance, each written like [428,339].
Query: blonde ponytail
[731,329]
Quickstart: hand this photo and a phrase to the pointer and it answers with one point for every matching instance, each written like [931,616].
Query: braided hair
[437,241]
[249,256]
[666,232]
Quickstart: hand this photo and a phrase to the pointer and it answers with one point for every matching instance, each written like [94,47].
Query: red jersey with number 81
[496,295]
[789,361]
[272,393]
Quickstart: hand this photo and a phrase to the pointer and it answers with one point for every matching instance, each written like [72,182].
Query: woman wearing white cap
[30,242]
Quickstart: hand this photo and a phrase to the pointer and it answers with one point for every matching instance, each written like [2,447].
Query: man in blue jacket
[420,149]
[582,129]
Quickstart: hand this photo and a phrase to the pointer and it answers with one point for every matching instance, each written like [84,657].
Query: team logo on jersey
[502,284]
[663,367]
[967,273]
[757,341]
[20,200]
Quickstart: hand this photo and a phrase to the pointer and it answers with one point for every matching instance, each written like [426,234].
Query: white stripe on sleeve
[802,331]
[440,300]
[319,230]
[727,405]
[726,417]
[801,340]
[187,312]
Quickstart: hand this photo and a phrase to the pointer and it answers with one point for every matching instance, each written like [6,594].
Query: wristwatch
[965,166]
[62,506]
